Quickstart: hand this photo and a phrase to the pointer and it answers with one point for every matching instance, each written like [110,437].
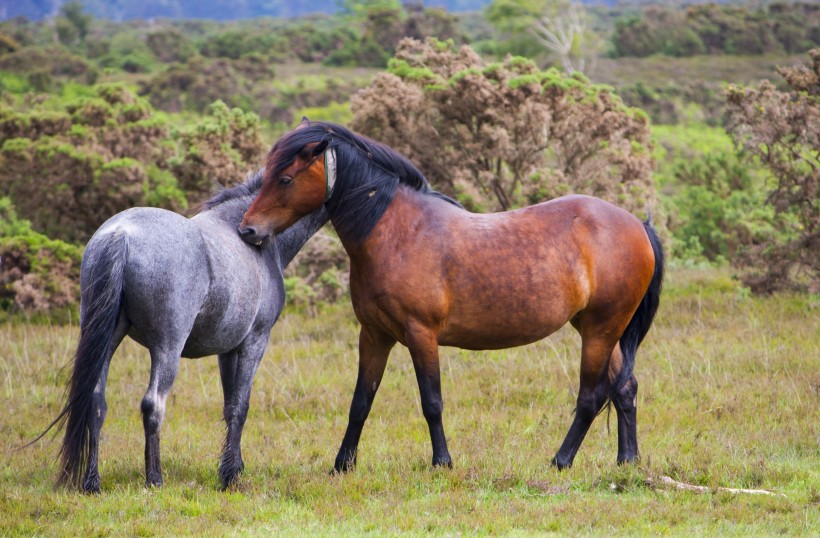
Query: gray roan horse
[180,287]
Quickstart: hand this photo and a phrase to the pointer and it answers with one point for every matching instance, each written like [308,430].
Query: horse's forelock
[288,148]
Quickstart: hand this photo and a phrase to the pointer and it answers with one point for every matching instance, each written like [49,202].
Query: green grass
[728,397]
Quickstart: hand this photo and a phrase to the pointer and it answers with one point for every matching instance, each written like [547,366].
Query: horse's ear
[319,148]
[302,124]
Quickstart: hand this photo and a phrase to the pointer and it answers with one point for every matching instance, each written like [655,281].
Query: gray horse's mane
[249,188]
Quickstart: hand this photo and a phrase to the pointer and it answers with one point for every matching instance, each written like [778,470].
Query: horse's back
[581,250]
[160,244]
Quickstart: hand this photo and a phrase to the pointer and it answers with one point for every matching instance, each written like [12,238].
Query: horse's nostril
[250,235]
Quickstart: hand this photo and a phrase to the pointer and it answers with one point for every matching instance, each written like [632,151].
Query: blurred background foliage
[654,105]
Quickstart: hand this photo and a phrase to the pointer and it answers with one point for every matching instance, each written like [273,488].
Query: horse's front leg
[423,345]
[237,370]
[374,347]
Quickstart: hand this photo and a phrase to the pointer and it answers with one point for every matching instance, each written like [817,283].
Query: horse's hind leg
[374,348]
[592,394]
[626,403]
[237,370]
[164,366]
[99,408]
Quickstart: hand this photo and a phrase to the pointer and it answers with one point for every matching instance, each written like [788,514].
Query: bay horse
[181,288]
[425,272]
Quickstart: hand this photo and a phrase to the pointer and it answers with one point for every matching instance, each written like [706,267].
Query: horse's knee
[361,404]
[588,404]
[153,412]
[432,408]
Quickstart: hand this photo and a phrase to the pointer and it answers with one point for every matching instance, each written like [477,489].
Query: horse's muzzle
[250,235]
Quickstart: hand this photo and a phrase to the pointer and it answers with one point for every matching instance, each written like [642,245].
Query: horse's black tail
[101,300]
[642,319]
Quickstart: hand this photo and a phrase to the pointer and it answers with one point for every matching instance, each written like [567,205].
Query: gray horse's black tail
[101,300]
[642,319]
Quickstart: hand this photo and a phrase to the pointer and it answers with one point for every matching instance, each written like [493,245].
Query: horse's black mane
[368,174]
[250,187]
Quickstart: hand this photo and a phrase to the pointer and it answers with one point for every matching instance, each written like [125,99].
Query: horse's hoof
[345,462]
[229,474]
[230,482]
[343,466]
[628,459]
[91,488]
[443,461]
[561,464]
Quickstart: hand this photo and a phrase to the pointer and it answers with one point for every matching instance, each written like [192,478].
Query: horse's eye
[285,180]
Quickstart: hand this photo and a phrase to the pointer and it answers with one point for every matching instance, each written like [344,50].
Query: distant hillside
[119,10]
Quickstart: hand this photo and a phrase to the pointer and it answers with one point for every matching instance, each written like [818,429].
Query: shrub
[56,61]
[194,85]
[319,272]
[170,45]
[221,149]
[781,130]
[502,135]
[68,170]
[37,274]
[718,29]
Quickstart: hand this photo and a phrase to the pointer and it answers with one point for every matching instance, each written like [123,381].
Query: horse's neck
[294,238]
[288,242]
[390,233]
[232,211]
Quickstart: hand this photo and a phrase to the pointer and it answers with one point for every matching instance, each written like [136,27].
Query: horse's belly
[219,332]
[198,344]
[196,350]
[498,332]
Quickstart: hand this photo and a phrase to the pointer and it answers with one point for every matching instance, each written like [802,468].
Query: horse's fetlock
[151,423]
[92,482]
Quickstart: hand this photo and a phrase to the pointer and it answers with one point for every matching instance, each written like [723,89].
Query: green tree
[73,23]
[514,18]
[359,8]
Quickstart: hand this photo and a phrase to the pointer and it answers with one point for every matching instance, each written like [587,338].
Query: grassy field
[729,394]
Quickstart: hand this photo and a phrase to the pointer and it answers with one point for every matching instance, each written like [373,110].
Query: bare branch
[665,481]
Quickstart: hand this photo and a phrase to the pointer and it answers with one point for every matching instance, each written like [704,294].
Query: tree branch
[665,481]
